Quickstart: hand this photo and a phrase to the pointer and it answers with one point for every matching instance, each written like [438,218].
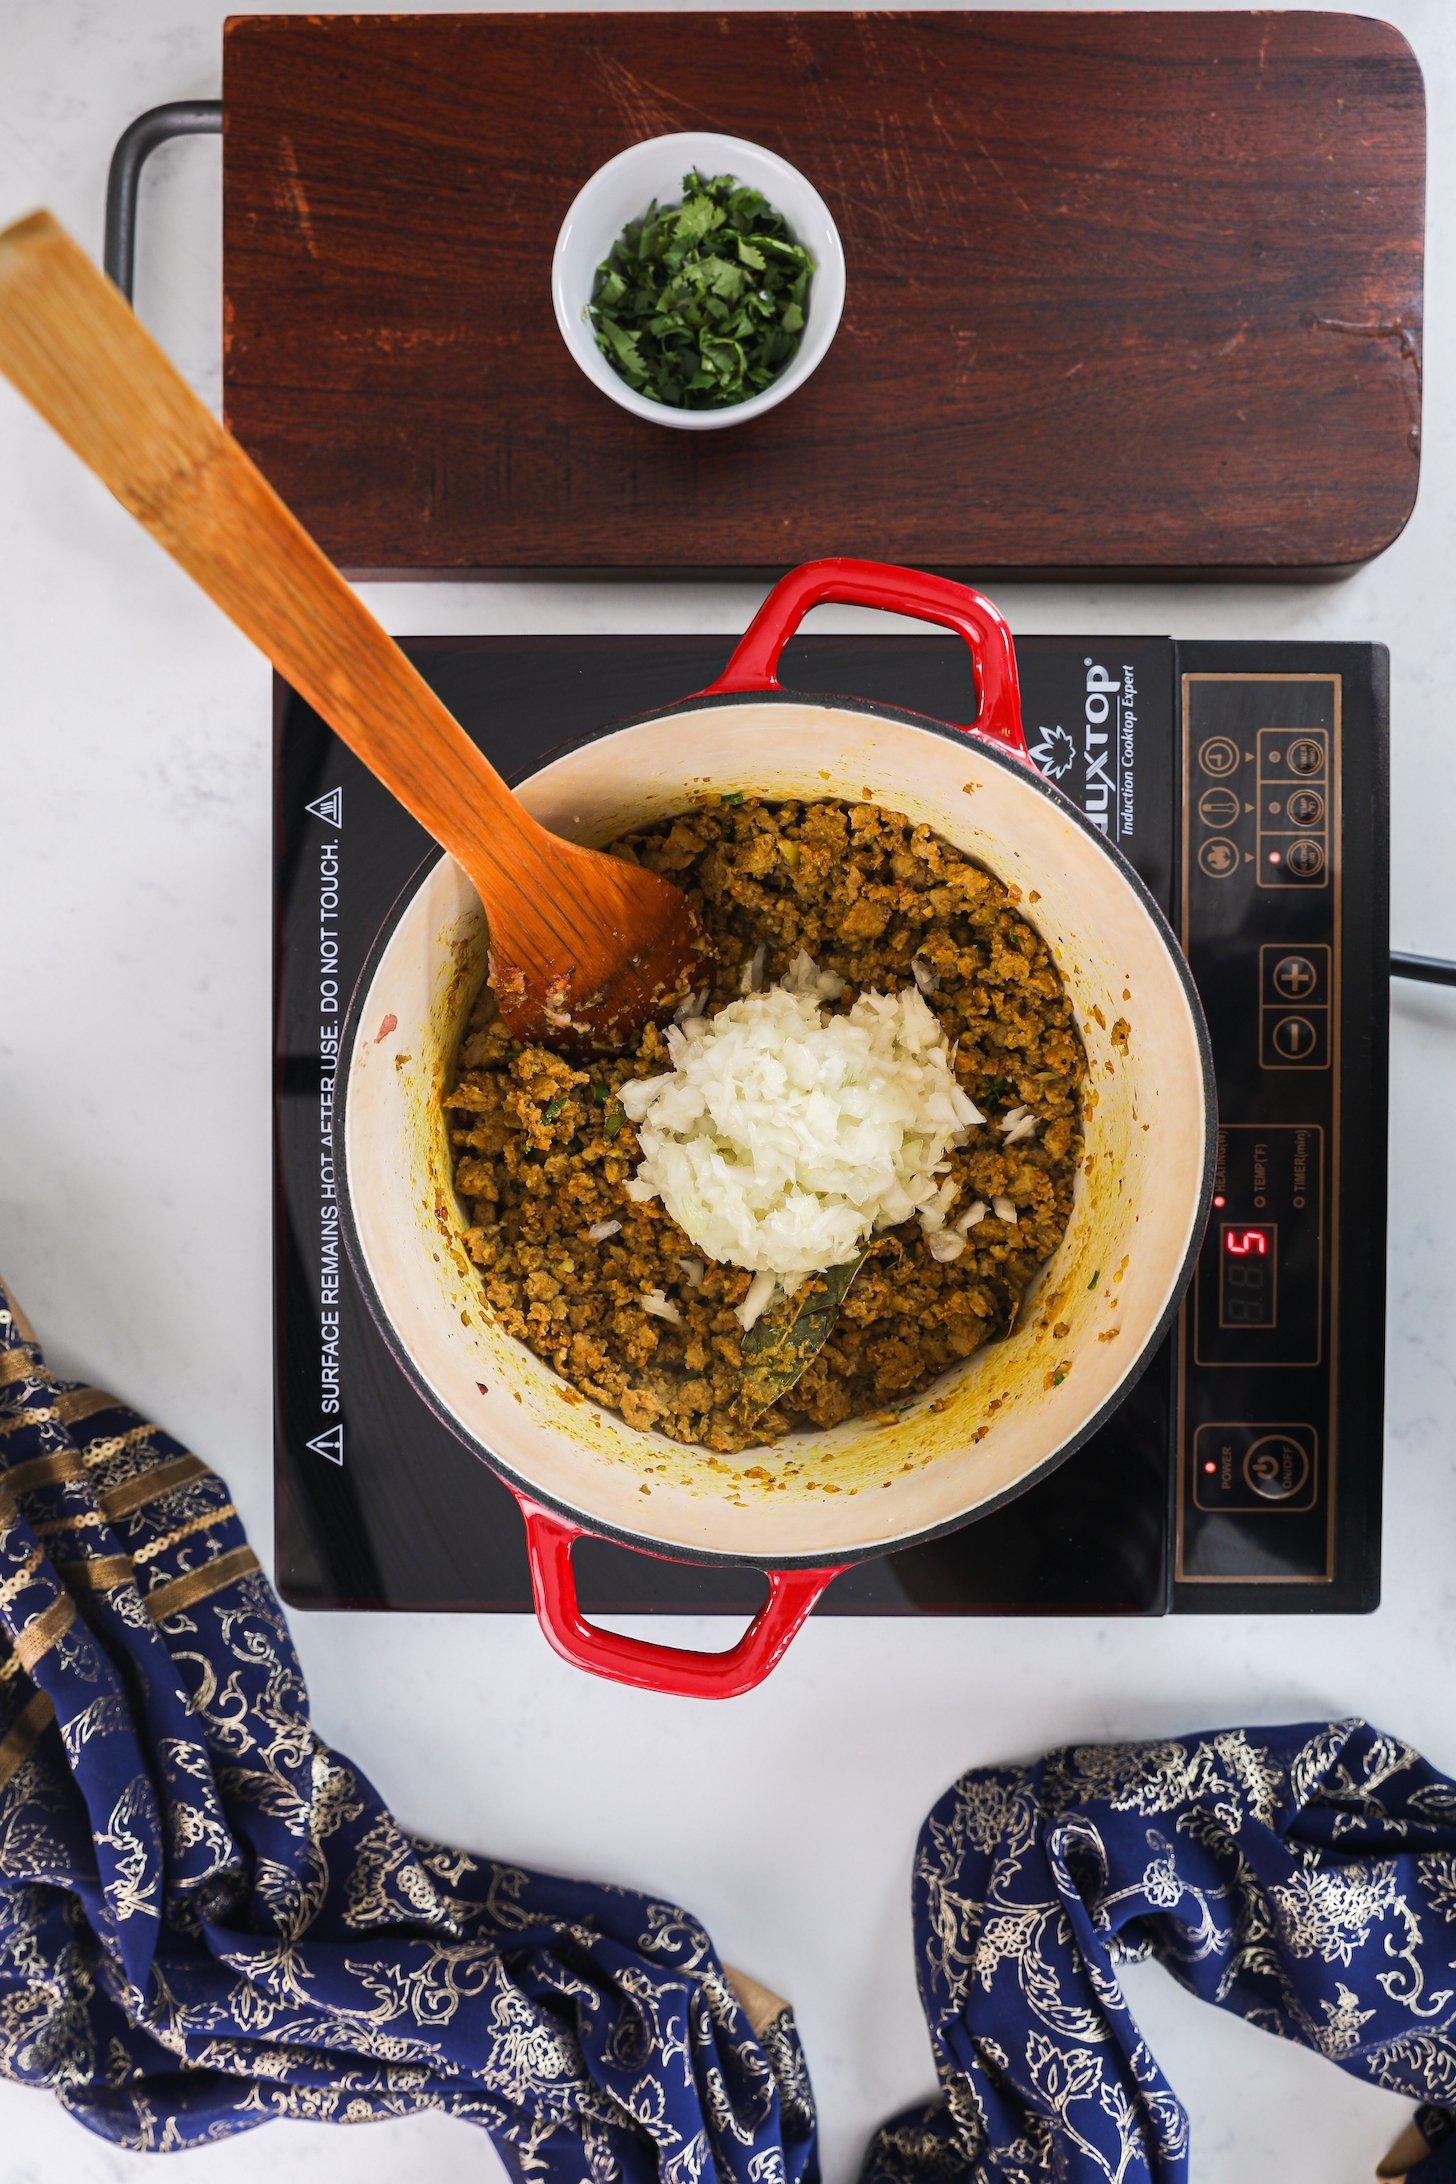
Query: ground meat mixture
[543,1149]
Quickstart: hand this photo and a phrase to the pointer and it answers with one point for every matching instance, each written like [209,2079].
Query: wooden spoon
[583,947]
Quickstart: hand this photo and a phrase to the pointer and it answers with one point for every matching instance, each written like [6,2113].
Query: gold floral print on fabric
[194,1585]
[1305,1878]
[26,1573]
[151,1485]
[154,1547]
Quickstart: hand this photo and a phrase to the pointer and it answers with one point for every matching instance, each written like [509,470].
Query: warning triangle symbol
[329,808]
[329,1445]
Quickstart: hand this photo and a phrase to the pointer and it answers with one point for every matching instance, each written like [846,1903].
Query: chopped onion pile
[784,1136]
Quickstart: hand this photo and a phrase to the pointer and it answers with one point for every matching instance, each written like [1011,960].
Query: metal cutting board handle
[135,145]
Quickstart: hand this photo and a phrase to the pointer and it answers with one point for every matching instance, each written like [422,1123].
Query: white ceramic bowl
[623,189]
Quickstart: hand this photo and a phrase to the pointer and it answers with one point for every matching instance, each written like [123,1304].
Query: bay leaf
[790,1334]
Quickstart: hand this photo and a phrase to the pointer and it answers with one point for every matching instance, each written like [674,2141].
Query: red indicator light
[1220,1200]
[1274,857]
[1210,1467]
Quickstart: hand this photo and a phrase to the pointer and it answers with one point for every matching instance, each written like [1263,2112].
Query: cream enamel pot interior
[813,1502]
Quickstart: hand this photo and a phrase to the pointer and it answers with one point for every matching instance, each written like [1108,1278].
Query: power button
[1271,1469]
[1277,1467]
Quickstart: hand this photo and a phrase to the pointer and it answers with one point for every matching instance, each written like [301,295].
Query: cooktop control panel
[1258,1429]
[1254,801]
[1260,1469]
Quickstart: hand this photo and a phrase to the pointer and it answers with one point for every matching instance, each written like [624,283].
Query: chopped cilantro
[1057,1379]
[613,1120]
[732,796]
[1095,1279]
[553,1108]
[701,305]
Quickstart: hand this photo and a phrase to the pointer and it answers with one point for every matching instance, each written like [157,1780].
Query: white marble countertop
[134,1043]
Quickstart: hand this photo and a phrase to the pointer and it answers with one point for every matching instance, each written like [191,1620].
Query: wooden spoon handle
[74,349]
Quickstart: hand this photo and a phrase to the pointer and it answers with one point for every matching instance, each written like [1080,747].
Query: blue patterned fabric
[1304,1878]
[208,1918]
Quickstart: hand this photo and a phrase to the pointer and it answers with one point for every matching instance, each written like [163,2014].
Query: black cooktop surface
[1248,783]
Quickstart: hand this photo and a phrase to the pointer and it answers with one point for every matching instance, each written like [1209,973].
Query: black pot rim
[843,1558]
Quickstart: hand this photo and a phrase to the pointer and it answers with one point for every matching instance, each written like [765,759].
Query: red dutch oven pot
[1096,1313]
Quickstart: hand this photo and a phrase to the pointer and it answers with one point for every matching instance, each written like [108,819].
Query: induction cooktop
[1249,785]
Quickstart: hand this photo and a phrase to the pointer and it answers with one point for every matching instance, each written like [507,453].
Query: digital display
[1259,1295]
[1248,1274]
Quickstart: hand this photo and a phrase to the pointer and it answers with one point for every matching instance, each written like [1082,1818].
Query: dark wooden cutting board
[1125,291]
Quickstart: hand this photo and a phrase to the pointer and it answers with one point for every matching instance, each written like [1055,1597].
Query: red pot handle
[754,665]
[549,1541]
